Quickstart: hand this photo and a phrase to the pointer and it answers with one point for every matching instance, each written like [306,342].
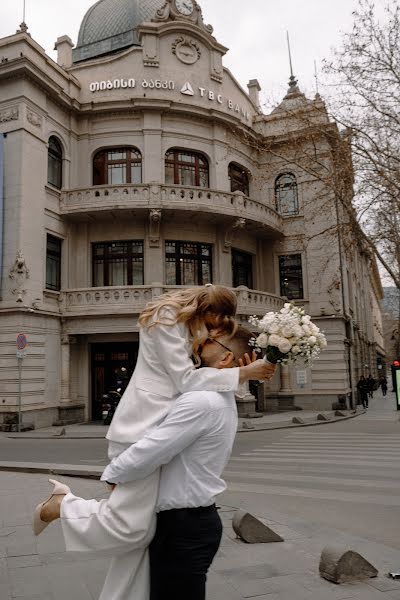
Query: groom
[193,445]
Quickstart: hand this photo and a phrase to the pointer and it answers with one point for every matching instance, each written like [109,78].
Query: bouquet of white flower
[288,335]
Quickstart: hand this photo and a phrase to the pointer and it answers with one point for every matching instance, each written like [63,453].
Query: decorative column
[246,402]
[65,368]
[286,386]
[286,396]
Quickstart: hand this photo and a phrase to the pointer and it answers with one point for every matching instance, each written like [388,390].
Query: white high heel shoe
[60,489]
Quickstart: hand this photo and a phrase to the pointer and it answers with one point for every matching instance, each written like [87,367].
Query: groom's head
[224,351]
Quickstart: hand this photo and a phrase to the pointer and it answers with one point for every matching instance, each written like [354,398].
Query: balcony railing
[128,197]
[132,300]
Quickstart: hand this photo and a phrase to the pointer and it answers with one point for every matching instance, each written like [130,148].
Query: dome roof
[110,25]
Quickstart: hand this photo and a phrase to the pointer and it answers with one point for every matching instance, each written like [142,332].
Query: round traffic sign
[21,341]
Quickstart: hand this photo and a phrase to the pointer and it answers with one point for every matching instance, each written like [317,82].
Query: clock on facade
[185,7]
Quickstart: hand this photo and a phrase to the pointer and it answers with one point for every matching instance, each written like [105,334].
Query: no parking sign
[22,343]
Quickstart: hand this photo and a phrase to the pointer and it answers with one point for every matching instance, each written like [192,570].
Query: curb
[289,425]
[83,471]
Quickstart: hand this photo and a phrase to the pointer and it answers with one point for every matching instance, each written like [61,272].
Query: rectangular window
[53,263]
[242,269]
[188,263]
[118,263]
[291,276]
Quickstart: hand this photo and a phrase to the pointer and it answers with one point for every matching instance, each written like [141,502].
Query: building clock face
[185,7]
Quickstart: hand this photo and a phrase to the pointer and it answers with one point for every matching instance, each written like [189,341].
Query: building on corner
[137,164]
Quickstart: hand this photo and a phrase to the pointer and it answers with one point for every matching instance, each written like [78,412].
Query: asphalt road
[343,475]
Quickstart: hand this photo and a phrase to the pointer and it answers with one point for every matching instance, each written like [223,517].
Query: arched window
[286,196]
[115,166]
[239,178]
[54,163]
[183,167]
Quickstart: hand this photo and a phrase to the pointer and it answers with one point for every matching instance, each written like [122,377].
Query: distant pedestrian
[384,385]
[371,385]
[363,390]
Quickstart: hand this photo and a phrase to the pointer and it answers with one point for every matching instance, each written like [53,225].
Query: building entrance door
[112,368]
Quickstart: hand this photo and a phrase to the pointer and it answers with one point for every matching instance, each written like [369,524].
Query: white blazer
[164,370]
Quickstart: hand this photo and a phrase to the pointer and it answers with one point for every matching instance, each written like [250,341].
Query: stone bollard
[341,565]
[251,530]
[298,421]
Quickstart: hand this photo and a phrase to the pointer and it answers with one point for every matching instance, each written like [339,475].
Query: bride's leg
[126,520]
[128,577]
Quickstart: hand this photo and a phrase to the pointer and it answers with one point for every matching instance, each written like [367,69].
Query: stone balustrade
[128,197]
[133,299]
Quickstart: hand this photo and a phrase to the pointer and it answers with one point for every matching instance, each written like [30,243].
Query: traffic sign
[21,341]
[21,353]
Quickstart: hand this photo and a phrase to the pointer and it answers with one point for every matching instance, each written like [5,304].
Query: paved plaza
[330,473]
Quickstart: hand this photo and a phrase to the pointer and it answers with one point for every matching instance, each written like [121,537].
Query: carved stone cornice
[9,114]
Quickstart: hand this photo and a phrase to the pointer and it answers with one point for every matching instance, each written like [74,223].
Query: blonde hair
[202,310]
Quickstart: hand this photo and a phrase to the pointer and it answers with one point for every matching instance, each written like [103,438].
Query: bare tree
[365,83]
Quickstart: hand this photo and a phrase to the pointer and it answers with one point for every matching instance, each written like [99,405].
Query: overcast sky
[254,30]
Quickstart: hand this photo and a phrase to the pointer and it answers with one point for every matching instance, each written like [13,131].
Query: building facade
[137,164]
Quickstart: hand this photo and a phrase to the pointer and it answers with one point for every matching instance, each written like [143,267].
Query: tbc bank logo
[187,89]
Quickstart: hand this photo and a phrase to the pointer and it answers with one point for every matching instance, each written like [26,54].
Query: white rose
[287,305]
[295,349]
[298,331]
[312,340]
[306,319]
[314,328]
[306,330]
[274,328]
[284,346]
[274,340]
[262,340]
[287,331]
[322,342]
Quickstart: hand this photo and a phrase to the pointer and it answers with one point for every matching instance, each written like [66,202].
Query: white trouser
[122,526]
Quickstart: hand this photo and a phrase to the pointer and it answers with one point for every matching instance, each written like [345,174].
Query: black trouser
[182,551]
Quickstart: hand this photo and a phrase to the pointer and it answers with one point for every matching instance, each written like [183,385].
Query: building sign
[187,89]
[301,377]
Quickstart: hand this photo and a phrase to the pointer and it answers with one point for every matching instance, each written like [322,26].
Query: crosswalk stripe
[320,454]
[393,484]
[393,462]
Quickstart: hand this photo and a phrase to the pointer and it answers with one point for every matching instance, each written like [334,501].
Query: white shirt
[193,444]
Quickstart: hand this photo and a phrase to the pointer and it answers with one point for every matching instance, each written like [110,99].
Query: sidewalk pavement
[263,422]
[40,569]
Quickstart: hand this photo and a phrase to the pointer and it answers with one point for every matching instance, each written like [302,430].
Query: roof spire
[23,28]
[292,81]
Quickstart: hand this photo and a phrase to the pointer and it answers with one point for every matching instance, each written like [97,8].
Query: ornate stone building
[137,164]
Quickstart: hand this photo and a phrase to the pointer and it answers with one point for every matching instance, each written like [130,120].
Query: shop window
[118,263]
[186,168]
[55,163]
[188,263]
[286,195]
[239,178]
[117,166]
[242,269]
[291,276]
[53,263]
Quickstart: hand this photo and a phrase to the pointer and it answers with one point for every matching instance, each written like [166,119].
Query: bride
[172,330]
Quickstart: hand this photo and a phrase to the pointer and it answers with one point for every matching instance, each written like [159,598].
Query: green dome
[110,26]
